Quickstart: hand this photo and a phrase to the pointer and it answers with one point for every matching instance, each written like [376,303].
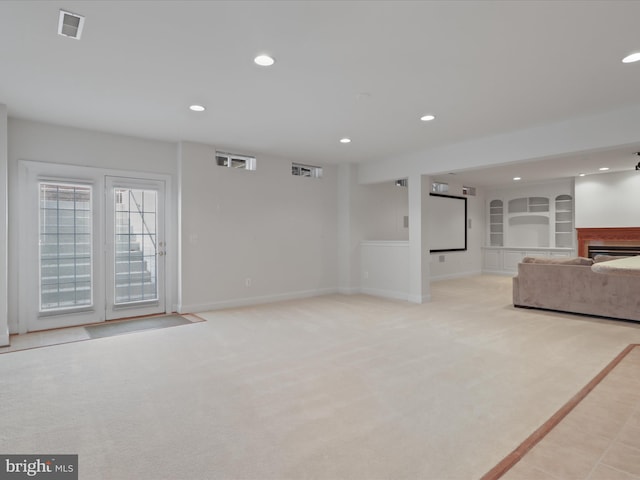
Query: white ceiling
[363,69]
[565,167]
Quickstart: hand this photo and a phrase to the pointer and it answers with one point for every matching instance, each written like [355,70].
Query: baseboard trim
[4,338]
[505,273]
[348,291]
[455,275]
[245,302]
[375,292]
[419,299]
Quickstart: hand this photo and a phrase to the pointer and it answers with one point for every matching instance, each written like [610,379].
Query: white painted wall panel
[267,227]
[608,200]
[367,212]
[44,142]
[385,269]
[380,211]
[4,233]
[469,262]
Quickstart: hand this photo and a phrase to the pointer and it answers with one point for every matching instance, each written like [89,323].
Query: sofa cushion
[559,260]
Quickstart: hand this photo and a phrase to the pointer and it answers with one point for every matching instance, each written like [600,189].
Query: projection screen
[447,223]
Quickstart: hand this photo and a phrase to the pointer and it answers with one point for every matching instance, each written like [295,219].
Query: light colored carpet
[337,387]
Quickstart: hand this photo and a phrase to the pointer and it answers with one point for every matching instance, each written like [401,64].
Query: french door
[93,247]
[135,247]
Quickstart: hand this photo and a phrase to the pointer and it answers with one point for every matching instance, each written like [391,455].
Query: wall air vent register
[233,160]
[300,170]
[70,24]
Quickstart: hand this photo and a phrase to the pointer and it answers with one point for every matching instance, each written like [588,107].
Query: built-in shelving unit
[528,205]
[528,222]
[496,223]
[521,225]
[564,221]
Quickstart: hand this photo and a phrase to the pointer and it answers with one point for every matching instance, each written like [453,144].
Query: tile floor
[598,440]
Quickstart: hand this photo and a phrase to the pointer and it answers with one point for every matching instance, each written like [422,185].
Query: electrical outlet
[247,282]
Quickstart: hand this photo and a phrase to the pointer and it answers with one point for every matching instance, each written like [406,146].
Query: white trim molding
[4,230]
[29,174]
[249,301]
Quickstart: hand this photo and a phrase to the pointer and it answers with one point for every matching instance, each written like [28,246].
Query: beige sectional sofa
[571,286]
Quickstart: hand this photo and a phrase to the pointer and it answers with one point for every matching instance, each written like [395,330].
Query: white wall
[458,264]
[608,200]
[348,234]
[377,215]
[380,211]
[367,213]
[385,269]
[419,272]
[4,233]
[277,230]
[43,142]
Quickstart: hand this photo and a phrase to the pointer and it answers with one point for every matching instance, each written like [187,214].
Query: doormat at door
[127,326]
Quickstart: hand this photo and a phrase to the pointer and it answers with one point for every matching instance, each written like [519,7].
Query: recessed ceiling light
[196,108]
[634,57]
[582,174]
[427,118]
[603,169]
[264,60]
[517,178]
[345,140]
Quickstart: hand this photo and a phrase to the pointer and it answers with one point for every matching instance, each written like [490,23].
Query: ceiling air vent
[70,24]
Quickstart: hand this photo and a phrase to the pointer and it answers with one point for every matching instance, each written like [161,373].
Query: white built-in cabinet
[520,226]
[505,259]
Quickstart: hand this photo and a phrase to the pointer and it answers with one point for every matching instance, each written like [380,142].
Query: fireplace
[614,250]
[620,241]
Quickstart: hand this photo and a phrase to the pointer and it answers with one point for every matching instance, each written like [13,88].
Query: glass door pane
[136,245]
[65,262]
